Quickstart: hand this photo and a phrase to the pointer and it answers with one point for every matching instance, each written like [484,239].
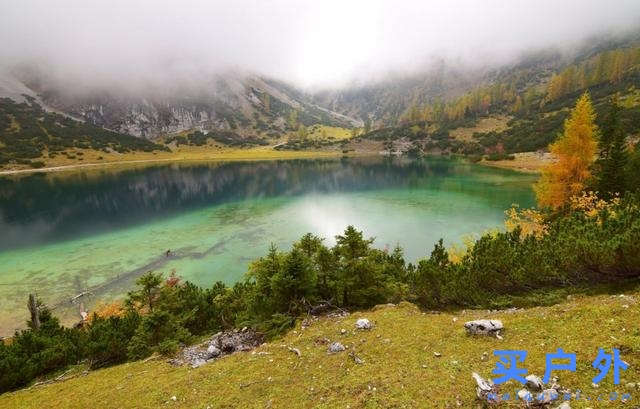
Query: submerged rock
[484,327]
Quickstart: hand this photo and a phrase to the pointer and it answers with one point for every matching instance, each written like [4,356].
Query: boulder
[484,327]
[534,383]
[363,323]
[336,347]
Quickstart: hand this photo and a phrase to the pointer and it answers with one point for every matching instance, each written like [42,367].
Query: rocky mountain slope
[246,104]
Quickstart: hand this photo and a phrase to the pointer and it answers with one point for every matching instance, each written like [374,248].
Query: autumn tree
[574,152]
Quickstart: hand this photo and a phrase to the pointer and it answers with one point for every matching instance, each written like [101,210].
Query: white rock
[524,395]
[213,352]
[533,383]
[547,396]
[198,362]
[483,386]
[336,347]
[363,323]
[564,405]
[483,327]
[173,398]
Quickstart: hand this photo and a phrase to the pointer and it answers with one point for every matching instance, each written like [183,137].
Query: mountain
[245,104]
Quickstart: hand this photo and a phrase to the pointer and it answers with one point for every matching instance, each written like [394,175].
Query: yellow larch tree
[574,152]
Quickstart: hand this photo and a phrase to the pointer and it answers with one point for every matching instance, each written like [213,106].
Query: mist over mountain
[150,69]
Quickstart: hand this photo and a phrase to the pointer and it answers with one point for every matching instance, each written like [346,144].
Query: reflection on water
[99,230]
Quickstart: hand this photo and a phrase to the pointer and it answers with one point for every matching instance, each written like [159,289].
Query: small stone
[631,385]
[363,323]
[547,396]
[336,347]
[437,354]
[198,362]
[343,331]
[174,398]
[564,405]
[534,383]
[595,385]
[524,395]
[356,358]
[213,352]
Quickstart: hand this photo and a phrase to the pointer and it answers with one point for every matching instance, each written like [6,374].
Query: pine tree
[611,174]
[574,150]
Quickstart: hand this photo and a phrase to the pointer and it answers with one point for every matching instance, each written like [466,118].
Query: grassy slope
[183,153]
[400,368]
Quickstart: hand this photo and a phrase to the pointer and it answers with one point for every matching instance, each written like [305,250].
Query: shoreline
[248,155]
[525,162]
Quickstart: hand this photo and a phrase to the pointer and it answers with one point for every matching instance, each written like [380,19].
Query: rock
[564,405]
[485,389]
[534,383]
[356,358]
[631,385]
[198,362]
[173,398]
[437,354]
[213,352]
[483,327]
[336,347]
[220,344]
[524,395]
[295,351]
[363,323]
[343,331]
[547,396]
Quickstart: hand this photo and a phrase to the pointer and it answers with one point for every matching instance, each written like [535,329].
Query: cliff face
[248,105]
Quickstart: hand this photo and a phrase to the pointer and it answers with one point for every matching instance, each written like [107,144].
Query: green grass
[400,368]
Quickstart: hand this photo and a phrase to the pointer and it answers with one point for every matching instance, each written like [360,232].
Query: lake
[70,232]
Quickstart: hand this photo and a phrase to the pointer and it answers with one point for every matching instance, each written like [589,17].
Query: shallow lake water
[65,233]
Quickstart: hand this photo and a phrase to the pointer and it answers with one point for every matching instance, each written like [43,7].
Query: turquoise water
[97,231]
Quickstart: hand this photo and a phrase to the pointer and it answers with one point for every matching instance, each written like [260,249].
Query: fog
[310,43]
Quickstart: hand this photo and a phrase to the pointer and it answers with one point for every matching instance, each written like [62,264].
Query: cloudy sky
[311,43]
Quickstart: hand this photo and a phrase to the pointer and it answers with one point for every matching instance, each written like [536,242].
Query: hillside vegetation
[400,367]
[28,133]
[536,107]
